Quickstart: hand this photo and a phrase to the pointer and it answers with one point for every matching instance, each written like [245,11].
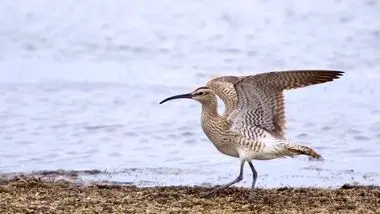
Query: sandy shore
[30,195]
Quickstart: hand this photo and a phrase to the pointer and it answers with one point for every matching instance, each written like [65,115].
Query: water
[80,84]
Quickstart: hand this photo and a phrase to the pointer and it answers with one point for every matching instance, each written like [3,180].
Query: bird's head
[202,94]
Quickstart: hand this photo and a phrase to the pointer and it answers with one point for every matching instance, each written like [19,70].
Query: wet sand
[33,195]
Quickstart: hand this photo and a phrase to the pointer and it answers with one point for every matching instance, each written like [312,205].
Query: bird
[253,124]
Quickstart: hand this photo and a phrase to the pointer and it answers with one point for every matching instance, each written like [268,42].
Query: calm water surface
[80,84]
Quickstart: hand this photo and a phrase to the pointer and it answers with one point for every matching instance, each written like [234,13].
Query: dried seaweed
[36,196]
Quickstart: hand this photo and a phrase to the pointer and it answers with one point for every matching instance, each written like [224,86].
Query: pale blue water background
[80,83]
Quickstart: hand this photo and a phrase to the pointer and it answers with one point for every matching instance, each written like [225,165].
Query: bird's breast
[222,138]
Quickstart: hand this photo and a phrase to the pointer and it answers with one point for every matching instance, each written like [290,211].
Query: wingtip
[331,74]
[340,73]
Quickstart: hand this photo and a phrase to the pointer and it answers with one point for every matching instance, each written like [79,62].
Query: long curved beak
[188,96]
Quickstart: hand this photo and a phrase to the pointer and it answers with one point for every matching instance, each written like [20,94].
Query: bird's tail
[295,149]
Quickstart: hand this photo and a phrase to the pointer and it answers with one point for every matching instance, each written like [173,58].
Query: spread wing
[257,101]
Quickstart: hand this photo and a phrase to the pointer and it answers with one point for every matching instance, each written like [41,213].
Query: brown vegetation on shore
[37,196]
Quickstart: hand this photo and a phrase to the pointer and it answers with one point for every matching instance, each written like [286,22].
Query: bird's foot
[209,193]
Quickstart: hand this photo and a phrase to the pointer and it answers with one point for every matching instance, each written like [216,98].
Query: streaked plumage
[253,125]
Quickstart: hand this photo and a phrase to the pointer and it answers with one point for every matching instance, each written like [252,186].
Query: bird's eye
[200,93]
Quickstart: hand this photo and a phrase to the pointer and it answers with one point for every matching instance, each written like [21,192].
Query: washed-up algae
[37,196]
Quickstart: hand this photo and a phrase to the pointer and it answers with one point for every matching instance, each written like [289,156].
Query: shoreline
[28,194]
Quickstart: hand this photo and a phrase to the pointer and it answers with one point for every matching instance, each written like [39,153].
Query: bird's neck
[214,125]
[210,110]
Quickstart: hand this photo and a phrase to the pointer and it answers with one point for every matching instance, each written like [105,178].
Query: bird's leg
[254,178]
[254,174]
[239,178]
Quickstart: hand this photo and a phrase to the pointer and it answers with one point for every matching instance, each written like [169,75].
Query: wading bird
[253,123]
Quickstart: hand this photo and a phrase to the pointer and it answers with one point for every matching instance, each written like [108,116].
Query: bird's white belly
[271,150]
[259,156]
